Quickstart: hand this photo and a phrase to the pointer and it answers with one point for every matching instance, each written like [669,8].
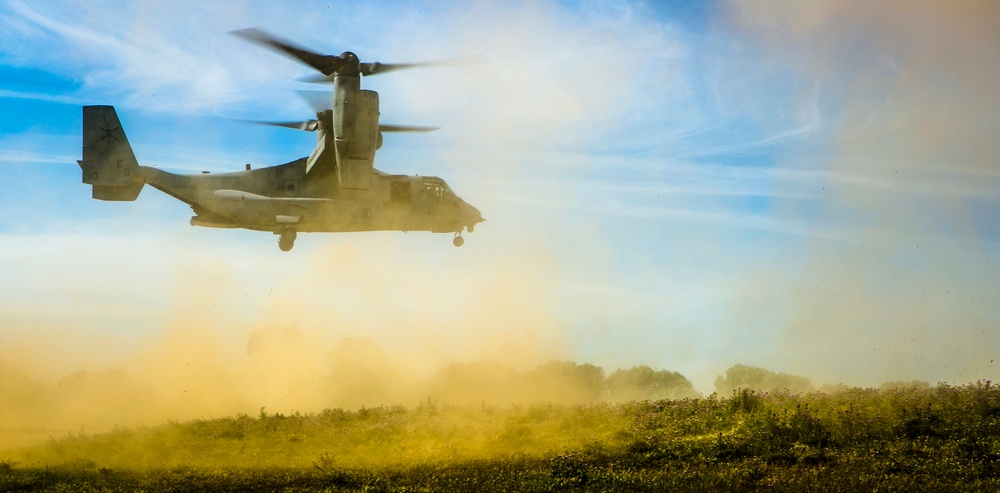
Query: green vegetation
[897,438]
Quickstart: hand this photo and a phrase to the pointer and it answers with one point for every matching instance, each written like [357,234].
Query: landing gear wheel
[458,241]
[287,240]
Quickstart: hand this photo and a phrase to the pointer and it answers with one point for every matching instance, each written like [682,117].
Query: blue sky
[807,187]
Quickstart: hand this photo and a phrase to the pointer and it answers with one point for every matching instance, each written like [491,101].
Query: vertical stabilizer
[108,162]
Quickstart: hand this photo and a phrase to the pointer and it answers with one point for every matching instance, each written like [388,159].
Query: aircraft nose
[471,215]
[474,214]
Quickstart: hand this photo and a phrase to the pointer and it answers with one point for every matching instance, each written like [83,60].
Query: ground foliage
[943,438]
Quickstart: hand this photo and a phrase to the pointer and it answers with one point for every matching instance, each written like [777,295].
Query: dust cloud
[321,334]
[911,101]
[336,327]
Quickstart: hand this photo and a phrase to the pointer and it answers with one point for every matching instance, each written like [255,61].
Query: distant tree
[641,383]
[752,377]
[566,382]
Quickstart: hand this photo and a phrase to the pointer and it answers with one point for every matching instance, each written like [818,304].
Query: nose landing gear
[458,241]
[287,240]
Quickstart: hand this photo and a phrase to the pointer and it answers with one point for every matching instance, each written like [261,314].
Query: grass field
[943,438]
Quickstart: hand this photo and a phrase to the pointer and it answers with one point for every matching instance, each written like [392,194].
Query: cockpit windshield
[437,189]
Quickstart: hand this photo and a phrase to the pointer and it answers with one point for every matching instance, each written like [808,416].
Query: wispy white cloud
[41,96]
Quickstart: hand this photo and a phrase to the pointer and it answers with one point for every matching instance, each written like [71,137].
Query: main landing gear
[287,240]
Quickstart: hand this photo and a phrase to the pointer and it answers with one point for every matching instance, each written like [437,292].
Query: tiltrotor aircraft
[335,189]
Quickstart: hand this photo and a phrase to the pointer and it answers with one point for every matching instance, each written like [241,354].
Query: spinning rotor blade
[326,64]
[376,68]
[405,128]
[313,125]
[381,68]
[306,125]
[317,100]
[345,64]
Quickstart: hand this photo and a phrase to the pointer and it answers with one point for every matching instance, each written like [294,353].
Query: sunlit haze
[807,187]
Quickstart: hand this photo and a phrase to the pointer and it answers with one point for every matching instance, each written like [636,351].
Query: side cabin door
[399,196]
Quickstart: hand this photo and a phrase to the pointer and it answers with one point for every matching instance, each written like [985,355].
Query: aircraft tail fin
[108,162]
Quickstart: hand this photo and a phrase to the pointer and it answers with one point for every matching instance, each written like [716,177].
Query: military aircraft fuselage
[283,197]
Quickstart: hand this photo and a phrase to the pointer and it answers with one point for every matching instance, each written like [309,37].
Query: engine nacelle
[356,137]
[355,121]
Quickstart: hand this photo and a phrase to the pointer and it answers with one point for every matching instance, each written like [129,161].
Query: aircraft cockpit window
[437,189]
